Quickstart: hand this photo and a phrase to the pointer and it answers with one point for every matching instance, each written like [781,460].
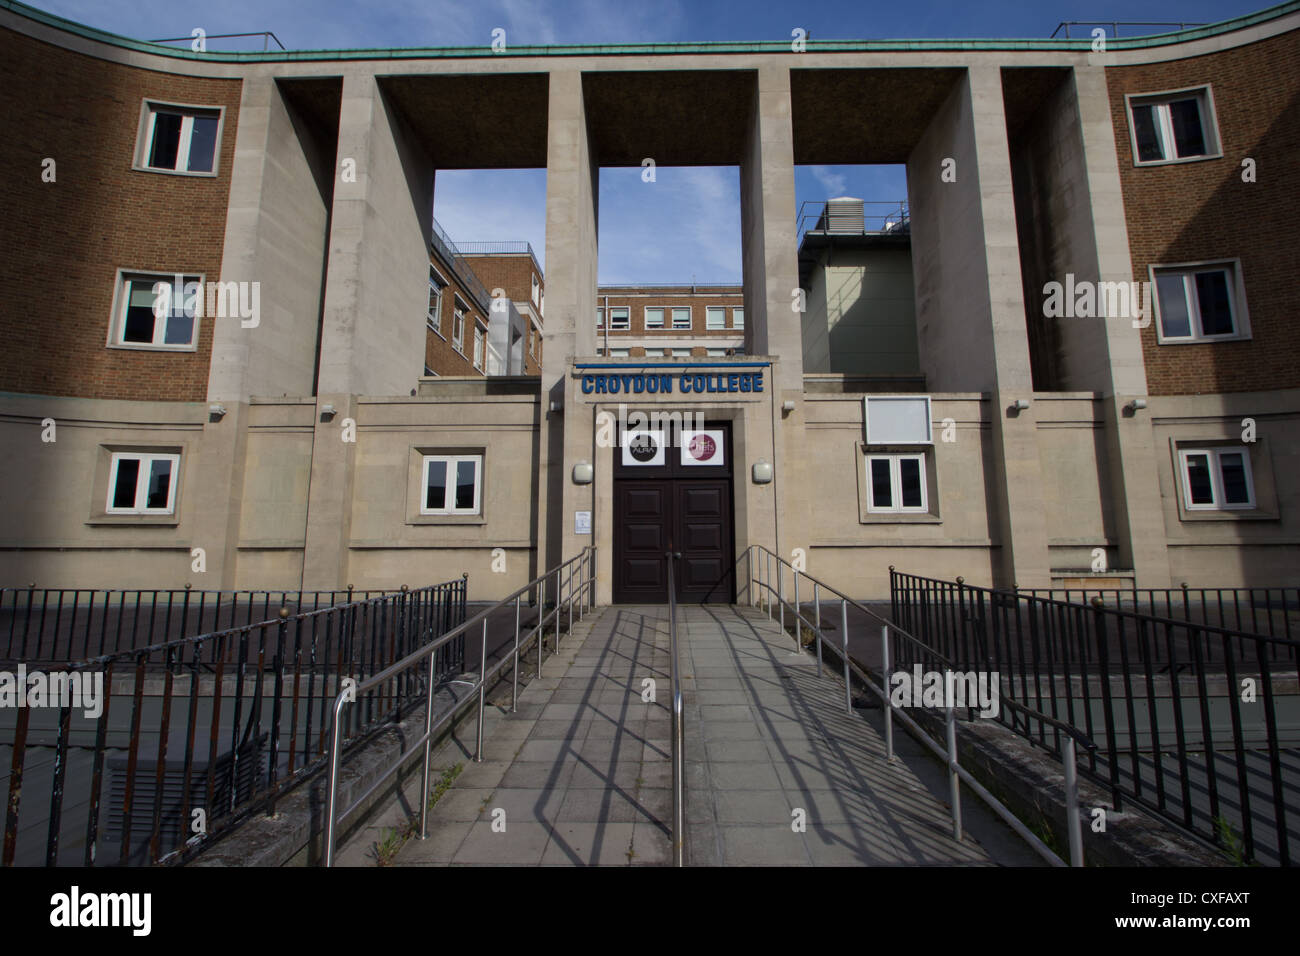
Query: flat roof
[658,49]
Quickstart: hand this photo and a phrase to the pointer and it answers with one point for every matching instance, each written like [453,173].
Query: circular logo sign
[643,448]
[702,447]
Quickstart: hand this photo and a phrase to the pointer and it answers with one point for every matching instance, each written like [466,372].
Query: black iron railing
[1192,720]
[187,737]
[65,625]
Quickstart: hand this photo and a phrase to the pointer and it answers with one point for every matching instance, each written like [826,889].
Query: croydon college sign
[687,383]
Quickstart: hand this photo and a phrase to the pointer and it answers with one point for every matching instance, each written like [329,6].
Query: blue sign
[687,383]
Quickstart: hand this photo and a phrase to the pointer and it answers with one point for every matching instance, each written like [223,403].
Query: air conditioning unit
[843,215]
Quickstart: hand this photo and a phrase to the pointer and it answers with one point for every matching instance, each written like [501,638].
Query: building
[670,321]
[290,434]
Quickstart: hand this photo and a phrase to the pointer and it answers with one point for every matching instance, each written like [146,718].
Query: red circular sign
[702,447]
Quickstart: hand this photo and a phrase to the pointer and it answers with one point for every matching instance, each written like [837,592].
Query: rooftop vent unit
[843,215]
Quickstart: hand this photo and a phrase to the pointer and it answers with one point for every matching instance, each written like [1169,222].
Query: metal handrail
[678,731]
[947,753]
[566,593]
[264,34]
[1116,24]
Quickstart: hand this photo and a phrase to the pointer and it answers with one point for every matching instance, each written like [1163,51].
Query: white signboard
[703,447]
[582,522]
[898,419]
[643,446]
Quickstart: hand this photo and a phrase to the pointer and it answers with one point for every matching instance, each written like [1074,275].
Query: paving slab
[777,773]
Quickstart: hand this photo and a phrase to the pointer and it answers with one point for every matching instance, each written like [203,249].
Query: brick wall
[439,352]
[64,241]
[1196,211]
[639,300]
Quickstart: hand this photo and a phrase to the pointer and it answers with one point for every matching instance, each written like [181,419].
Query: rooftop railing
[451,254]
[854,218]
[1116,24]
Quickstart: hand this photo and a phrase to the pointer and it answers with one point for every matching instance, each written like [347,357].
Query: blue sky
[685,225]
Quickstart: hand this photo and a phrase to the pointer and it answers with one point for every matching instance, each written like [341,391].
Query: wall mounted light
[1021,404]
[1136,404]
[762,471]
[328,410]
[557,407]
[217,410]
[583,473]
[787,405]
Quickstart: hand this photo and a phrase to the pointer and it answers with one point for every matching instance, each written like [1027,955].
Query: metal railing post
[884,673]
[428,748]
[482,694]
[768,591]
[749,566]
[798,613]
[570,601]
[1073,824]
[817,625]
[541,622]
[514,690]
[332,784]
[780,592]
[954,781]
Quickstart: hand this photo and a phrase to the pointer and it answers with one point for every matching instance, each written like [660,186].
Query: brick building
[961,423]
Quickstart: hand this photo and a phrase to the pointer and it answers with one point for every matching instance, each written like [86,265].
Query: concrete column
[219,486]
[329,497]
[276,233]
[1130,440]
[970,303]
[376,290]
[572,189]
[771,275]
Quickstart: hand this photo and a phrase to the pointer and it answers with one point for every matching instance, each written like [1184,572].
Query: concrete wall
[861,319]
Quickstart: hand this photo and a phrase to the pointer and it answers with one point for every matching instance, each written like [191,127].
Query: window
[1169,127]
[656,353]
[737,318]
[738,350]
[458,325]
[654,318]
[1216,479]
[430,372]
[715,317]
[600,318]
[682,318]
[141,484]
[157,310]
[179,139]
[436,284]
[1200,303]
[715,353]
[679,353]
[537,289]
[896,483]
[478,348]
[620,317]
[618,353]
[452,484]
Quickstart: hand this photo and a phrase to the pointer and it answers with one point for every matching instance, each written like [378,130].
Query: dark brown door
[690,516]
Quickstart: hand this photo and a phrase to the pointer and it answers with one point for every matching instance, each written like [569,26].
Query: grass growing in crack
[1230,843]
[395,837]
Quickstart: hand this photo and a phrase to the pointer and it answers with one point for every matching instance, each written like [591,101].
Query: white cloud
[834,182]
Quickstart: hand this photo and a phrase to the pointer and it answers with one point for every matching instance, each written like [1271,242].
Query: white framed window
[681,353]
[1200,302]
[436,284]
[738,318]
[478,348]
[682,317]
[142,484]
[458,325]
[656,353]
[654,317]
[156,310]
[898,419]
[1216,479]
[715,317]
[716,353]
[537,289]
[620,317]
[896,483]
[452,485]
[600,318]
[619,353]
[1173,126]
[179,139]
